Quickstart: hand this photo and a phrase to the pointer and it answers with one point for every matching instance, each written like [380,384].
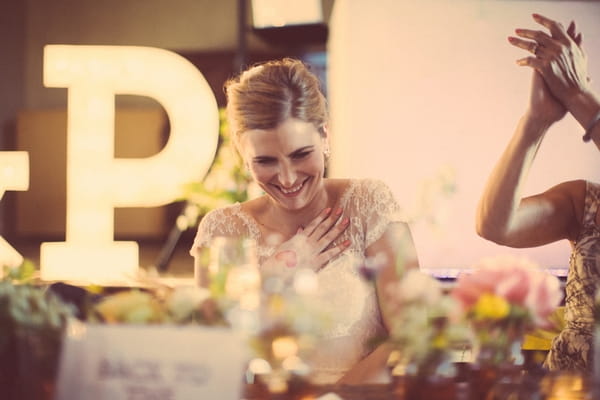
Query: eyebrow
[293,153]
[301,150]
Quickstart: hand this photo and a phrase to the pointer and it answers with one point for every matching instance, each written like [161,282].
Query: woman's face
[287,162]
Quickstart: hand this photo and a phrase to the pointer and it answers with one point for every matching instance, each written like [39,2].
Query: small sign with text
[150,362]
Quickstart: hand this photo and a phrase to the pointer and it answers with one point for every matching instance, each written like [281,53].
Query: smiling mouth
[293,190]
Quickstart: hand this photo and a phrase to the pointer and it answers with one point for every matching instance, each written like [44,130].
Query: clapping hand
[559,58]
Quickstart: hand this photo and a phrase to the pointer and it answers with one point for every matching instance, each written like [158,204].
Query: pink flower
[543,299]
[470,286]
[515,285]
[517,281]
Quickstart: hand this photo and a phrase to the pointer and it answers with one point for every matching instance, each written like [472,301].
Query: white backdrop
[423,89]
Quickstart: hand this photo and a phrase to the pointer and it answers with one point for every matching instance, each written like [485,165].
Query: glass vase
[230,271]
[434,377]
[498,364]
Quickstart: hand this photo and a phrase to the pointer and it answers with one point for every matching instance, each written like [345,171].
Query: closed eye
[300,155]
[264,160]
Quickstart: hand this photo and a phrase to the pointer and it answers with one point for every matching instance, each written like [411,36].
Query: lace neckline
[254,226]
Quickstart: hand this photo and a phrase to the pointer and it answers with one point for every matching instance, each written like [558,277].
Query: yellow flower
[491,306]
[439,342]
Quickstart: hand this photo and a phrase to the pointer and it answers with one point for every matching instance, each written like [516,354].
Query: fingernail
[327,211]
[345,221]
[535,16]
[518,31]
[346,242]
[339,211]
[512,39]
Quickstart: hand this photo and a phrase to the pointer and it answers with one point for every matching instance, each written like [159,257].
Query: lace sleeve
[226,221]
[378,207]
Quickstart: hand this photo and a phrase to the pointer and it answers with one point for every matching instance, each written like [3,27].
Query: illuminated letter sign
[14,175]
[96,181]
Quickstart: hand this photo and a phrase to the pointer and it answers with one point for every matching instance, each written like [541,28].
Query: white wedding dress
[342,292]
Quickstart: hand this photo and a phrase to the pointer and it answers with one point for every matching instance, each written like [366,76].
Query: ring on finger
[534,48]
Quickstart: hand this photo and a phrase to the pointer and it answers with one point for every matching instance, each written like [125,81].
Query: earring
[326,152]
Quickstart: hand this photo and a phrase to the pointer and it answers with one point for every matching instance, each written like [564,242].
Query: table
[311,392]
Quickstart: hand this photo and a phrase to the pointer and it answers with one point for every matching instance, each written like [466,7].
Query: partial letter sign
[96,181]
[14,175]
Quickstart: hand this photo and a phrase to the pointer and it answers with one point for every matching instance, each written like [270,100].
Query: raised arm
[503,215]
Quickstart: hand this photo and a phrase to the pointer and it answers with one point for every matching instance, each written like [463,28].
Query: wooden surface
[309,392]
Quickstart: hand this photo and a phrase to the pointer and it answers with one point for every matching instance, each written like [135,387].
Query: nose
[287,174]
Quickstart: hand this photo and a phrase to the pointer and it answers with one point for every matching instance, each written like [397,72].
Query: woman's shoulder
[254,207]
[366,196]
[570,197]
[233,219]
[230,220]
[228,211]
[363,188]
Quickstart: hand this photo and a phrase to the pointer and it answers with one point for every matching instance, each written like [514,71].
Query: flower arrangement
[426,327]
[503,298]
[160,305]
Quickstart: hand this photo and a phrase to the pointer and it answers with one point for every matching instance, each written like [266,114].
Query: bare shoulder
[255,207]
[337,187]
[571,194]
[341,186]
[571,191]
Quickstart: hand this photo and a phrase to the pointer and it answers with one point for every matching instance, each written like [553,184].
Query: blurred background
[423,95]
[218,37]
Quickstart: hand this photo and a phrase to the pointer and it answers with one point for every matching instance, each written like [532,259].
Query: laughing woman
[277,115]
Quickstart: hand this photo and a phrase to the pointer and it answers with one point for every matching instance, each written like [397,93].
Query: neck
[302,217]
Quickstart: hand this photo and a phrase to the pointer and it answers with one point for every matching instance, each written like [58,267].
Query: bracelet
[588,132]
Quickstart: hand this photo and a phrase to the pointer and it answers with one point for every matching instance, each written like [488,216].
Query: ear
[326,148]
[324,130]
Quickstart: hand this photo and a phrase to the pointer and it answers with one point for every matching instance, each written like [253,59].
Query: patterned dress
[342,292]
[572,348]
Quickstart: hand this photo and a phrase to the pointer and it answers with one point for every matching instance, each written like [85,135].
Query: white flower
[418,287]
[184,300]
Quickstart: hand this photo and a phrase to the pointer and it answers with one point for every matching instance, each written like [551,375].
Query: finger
[571,30]
[330,253]
[333,234]
[532,47]
[555,28]
[538,36]
[326,225]
[310,228]
[530,62]
[573,34]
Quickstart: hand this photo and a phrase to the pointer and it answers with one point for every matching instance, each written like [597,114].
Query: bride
[278,119]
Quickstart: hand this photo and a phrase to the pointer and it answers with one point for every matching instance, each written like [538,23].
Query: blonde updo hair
[267,94]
